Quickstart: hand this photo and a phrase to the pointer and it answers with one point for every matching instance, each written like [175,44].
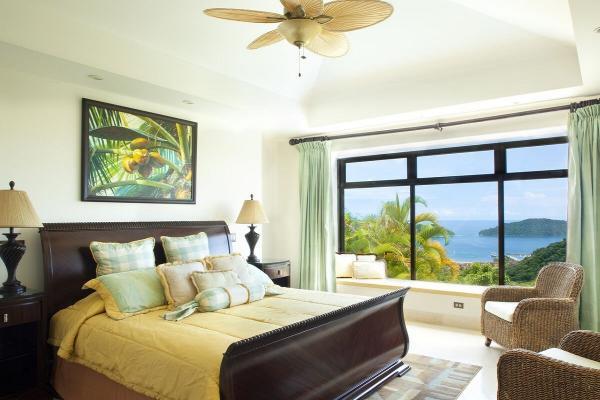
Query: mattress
[176,360]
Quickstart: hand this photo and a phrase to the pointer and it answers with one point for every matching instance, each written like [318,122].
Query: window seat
[446,304]
[416,286]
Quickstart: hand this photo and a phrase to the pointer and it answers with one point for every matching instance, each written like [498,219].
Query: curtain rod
[441,125]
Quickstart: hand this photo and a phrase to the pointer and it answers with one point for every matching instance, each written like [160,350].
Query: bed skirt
[74,381]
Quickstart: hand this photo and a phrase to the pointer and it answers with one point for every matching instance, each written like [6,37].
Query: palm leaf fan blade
[329,44]
[267,39]
[312,8]
[245,15]
[349,15]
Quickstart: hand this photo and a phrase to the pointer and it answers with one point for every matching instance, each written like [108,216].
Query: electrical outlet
[458,304]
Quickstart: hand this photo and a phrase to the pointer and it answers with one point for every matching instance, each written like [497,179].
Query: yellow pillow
[177,283]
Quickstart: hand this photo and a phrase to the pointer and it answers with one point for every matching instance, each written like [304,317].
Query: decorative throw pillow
[211,279]
[369,269]
[177,282]
[129,293]
[230,262]
[223,297]
[343,265]
[259,276]
[185,248]
[366,257]
[120,257]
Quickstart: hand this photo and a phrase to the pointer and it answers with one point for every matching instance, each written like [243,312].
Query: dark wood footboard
[345,354]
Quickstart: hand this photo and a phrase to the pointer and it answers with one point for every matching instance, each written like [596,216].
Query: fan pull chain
[301,57]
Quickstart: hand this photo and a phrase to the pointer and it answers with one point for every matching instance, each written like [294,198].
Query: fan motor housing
[300,31]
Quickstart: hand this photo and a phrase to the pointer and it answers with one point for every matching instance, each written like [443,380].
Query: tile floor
[459,345]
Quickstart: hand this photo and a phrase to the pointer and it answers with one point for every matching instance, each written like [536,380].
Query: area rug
[429,379]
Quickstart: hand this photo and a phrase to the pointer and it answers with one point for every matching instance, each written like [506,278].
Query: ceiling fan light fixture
[299,32]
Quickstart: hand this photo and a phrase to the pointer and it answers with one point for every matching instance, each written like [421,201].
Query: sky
[544,198]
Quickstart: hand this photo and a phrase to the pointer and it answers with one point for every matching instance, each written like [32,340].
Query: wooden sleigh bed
[344,354]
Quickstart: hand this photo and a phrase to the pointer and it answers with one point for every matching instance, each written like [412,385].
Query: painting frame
[88,195]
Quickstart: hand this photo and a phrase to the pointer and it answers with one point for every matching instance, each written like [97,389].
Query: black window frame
[500,176]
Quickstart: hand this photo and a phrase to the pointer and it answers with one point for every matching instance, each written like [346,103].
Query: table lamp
[252,213]
[16,211]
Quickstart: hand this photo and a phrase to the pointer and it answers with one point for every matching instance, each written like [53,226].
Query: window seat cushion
[502,309]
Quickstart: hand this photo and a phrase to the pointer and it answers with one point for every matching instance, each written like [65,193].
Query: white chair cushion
[502,309]
[343,265]
[571,358]
[369,269]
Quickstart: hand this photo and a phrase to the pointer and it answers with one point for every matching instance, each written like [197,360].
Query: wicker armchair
[544,313]
[525,375]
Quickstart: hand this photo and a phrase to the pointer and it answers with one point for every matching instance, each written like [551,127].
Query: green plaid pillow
[121,257]
[186,248]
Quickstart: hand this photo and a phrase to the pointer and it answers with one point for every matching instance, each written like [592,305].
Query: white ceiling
[430,53]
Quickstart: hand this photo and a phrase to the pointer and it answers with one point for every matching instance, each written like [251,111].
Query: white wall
[40,149]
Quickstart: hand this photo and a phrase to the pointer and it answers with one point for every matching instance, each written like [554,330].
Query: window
[538,158]
[535,228]
[449,247]
[456,164]
[485,214]
[377,220]
[378,170]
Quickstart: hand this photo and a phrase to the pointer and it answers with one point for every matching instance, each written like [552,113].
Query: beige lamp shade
[16,210]
[252,213]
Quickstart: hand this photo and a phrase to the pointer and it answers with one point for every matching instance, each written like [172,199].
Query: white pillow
[369,269]
[343,265]
[259,276]
[248,273]
[366,257]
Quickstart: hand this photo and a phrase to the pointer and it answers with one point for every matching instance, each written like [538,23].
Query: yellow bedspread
[176,360]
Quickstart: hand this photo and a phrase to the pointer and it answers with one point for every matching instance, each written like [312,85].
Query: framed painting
[135,156]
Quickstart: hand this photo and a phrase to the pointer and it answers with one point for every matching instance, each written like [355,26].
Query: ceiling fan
[311,24]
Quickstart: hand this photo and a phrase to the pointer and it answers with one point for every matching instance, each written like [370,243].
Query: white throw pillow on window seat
[369,269]
[502,309]
[343,265]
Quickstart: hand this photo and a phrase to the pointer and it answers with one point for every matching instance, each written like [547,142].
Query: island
[532,227]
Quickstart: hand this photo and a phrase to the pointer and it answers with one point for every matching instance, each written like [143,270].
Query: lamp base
[252,238]
[11,253]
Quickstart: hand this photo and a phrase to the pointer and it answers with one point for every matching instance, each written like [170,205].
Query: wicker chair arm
[507,293]
[544,307]
[583,343]
[525,375]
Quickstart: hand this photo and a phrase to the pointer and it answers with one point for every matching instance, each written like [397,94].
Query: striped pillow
[121,257]
[217,298]
[185,248]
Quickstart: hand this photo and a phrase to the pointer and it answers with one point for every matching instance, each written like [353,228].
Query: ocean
[466,245]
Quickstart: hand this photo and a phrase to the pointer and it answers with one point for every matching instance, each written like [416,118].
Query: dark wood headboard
[68,262]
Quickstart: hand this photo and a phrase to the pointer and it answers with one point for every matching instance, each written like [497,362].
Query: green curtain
[583,237]
[316,217]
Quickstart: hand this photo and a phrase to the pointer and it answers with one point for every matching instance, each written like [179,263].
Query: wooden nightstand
[277,269]
[22,342]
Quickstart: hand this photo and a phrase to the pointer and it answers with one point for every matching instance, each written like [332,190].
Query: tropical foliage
[388,236]
[136,156]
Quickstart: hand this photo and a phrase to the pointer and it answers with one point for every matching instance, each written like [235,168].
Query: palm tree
[388,236]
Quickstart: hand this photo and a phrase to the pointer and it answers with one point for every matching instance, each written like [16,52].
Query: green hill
[527,269]
[531,227]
